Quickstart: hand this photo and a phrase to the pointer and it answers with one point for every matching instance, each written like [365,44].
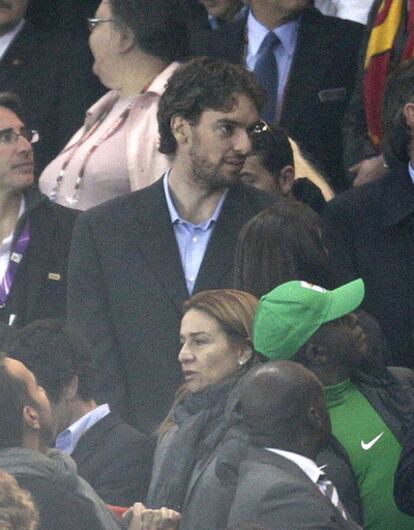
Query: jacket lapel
[155,240]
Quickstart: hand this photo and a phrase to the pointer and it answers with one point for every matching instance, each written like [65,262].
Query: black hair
[202,84]
[273,148]
[11,101]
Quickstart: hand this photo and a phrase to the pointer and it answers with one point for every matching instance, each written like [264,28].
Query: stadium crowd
[206,264]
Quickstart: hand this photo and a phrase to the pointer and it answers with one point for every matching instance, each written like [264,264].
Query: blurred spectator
[222,12]
[279,484]
[135,44]
[356,10]
[111,455]
[369,230]
[388,40]
[271,167]
[17,510]
[34,233]
[64,500]
[369,413]
[138,517]
[51,72]
[306,61]
[404,477]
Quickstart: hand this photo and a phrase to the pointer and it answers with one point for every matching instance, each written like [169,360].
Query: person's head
[283,406]
[398,113]
[17,509]
[215,335]
[279,244]
[124,26]
[222,9]
[303,322]
[206,116]
[25,414]
[11,13]
[270,165]
[16,152]
[60,358]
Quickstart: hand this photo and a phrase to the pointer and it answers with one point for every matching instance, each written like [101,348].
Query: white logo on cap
[312,286]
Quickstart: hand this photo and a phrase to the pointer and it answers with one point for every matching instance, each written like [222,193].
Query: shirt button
[195,239]
[192,278]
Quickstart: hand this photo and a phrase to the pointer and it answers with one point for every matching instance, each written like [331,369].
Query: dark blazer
[320,83]
[127,289]
[404,477]
[370,234]
[275,493]
[52,74]
[116,460]
[39,287]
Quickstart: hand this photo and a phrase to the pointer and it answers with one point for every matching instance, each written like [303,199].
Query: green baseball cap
[290,314]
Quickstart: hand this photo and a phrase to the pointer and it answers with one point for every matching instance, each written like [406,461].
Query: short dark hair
[202,84]
[14,396]
[399,90]
[55,352]
[280,244]
[156,26]
[11,101]
[273,148]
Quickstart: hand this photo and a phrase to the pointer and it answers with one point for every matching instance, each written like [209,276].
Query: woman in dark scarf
[216,352]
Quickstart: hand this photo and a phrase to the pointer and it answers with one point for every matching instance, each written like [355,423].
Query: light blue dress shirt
[192,240]
[68,439]
[288,35]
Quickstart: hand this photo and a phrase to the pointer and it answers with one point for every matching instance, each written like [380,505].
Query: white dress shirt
[7,39]
[5,246]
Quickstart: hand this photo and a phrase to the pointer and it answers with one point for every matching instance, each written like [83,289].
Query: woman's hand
[138,517]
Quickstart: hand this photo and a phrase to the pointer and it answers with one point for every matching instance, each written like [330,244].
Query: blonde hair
[17,510]
[234,312]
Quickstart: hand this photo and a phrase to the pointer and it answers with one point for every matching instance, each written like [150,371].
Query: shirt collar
[7,39]
[67,440]
[307,465]
[287,34]
[174,215]
[411,171]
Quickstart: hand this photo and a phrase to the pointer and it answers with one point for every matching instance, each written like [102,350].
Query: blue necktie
[266,73]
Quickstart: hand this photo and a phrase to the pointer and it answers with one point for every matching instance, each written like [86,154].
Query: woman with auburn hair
[280,244]
[216,352]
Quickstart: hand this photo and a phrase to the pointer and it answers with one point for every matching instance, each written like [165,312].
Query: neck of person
[269,16]
[10,202]
[80,408]
[331,374]
[306,446]
[136,72]
[193,202]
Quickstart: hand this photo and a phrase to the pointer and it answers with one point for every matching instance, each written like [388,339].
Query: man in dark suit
[34,233]
[51,72]
[279,485]
[369,231]
[111,455]
[316,61]
[136,259]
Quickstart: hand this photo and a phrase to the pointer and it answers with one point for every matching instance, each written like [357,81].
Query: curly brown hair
[17,509]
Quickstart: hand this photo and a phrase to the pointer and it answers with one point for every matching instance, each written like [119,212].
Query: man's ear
[180,128]
[315,355]
[409,114]
[71,390]
[286,179]
[31,417]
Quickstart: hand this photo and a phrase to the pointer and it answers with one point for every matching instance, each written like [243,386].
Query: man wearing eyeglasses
[34,233]
[51,73]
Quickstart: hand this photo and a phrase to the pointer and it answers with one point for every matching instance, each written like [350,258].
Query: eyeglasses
[260,127]
[9,136]
[94,22]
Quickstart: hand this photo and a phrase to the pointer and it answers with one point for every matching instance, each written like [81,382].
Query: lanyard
[16,256]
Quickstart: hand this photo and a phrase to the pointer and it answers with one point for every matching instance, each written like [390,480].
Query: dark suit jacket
[404,477]
[320,82]
[39,287]
[116,460]
[274,492]
[127,289]
[51,72]
[370,234]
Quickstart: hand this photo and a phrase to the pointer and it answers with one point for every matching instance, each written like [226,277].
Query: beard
[212,176]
